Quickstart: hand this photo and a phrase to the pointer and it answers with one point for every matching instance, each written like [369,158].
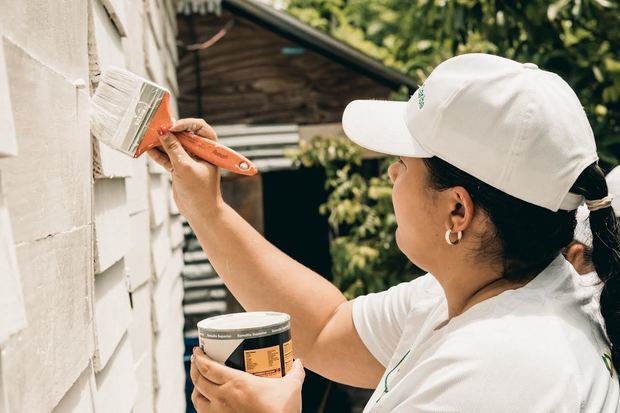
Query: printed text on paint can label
[265,362]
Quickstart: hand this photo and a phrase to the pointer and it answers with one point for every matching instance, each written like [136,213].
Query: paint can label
[267,362]
[258,343]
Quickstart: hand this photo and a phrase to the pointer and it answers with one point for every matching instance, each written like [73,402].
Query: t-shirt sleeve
[379,318]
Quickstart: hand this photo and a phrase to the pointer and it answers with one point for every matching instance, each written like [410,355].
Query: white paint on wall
[56,36]
[153,59]
[138,259]
[11,297]
[177,235]
[154,167]
[171,14]
[118,15]
[107,39]
[8,142]
[158,198]
[140,329]
[160,250]
[171,77]
[53,169]
[110,163]
[79,398]
[172,205]
[111,223]
[4,404]
[113,313]
[57,345]
[155,21]
[170,40]
[133,43]
[141,337]
[144,378]
[137,186]
[169,373]
[56,212]
[168,291]
[116,384]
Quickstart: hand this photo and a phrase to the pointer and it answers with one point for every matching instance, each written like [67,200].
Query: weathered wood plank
[54,34]
[112,312]
[247,78]
[116,384]
[56,346]
[138,259]
[111,223]
[8,143]
[11,296]
[53,169]
[80,397]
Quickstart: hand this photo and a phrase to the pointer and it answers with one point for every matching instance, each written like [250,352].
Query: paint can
[256,342]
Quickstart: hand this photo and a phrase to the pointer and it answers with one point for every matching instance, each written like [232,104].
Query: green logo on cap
[421,97]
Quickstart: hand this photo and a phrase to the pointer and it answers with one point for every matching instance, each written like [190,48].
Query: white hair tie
[597,204]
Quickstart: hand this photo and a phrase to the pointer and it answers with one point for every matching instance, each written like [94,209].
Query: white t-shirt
[540,348]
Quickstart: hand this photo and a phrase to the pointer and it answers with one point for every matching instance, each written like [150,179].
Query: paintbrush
[129,113]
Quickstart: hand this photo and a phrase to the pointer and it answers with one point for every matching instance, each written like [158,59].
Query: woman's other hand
[221,389]
[195,183]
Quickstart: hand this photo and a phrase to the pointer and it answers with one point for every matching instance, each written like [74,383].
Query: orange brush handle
[203,148]
[217,154]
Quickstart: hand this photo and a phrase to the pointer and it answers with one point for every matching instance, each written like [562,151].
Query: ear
[574,252]
[462,209]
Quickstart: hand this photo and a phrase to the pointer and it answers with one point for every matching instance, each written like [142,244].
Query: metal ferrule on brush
[149,100]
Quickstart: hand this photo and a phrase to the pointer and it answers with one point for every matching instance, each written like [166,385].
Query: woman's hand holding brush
[195,183]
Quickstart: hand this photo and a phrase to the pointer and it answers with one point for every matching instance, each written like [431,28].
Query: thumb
[174,149]
[297,372]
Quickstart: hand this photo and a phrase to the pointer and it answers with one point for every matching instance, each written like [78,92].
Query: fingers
[297,372]
[197,126]
[212,370]
[176,153]
[161,158]
[201,403]
[206,388]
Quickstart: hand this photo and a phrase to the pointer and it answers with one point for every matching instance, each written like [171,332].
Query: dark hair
[530,237]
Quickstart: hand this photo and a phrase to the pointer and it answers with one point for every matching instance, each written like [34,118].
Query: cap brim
[379,125]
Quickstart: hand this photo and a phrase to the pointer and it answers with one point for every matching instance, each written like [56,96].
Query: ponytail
[605,253]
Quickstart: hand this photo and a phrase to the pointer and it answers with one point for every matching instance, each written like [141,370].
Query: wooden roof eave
[313,39]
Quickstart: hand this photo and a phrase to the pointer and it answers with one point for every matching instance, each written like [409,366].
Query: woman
[495,157]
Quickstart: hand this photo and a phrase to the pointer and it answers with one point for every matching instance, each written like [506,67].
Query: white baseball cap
[520,129]
[583,233]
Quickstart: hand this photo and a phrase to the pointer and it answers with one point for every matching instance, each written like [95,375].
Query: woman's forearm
[261,277]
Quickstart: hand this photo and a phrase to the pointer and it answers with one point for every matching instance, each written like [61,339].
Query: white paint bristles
[118,107]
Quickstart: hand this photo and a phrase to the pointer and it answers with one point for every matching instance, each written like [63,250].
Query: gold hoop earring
[459,236]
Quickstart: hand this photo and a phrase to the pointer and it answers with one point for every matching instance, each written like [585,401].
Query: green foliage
[578,39]
[361,218]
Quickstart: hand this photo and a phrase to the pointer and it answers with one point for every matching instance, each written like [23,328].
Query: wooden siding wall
[246,77]
[90,253]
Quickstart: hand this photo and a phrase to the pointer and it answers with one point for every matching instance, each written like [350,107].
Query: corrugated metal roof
[264,145]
